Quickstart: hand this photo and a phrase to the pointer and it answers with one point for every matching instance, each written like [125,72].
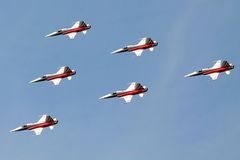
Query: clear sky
[177,119]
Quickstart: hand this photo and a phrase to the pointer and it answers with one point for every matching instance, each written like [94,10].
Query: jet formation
[218,67]
[79,26]
[45,121]
[134,88]
[127,95]
[145,43]
[63,72]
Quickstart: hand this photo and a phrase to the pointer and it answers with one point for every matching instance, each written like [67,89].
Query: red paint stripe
[74,30]
[64,75]
[129,93]
[145,46]
[222,69]
[41,125]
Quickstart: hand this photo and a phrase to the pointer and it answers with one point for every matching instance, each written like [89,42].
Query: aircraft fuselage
[34,126]
[53,76]
[210,71]
[144,46]
[125,93]
[69,30]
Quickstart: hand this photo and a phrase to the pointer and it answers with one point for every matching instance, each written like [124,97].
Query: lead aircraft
[127,95]
[79,26]
[45,121]
[145,43]
[63,72]
[218,67]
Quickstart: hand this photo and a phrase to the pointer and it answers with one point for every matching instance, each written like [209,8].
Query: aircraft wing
[143,41]
[64,69]
[43,119]
[76,24]
[38,131]
[214,76]
[61,70]
[132,86]
[128,98]
[56,81]
[218,64]
[138,52]
[72,35]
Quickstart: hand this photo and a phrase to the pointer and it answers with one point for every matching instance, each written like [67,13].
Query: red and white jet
[133,89]
[45,121]
[218,67]
[79,26]
[63,72]
[145,43]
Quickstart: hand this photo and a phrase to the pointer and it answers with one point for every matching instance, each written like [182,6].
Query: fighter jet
[79,26]
[133,89]
[45,121]
[56,78]
[145,43]
[218,67]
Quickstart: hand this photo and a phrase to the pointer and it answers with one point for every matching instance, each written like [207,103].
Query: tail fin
[79,24]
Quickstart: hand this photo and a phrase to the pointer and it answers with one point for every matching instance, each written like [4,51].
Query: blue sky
[178,118]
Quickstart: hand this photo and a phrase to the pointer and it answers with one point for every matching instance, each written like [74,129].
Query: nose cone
[104,97]
[51,34]
[191,74]
[37,80]
[119,50]
[17,129]
[107,96]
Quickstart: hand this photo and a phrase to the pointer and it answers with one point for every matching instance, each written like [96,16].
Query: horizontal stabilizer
[141,94]
[69,78]
[151,49]
[227,72]
[51,127]
[84,32]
